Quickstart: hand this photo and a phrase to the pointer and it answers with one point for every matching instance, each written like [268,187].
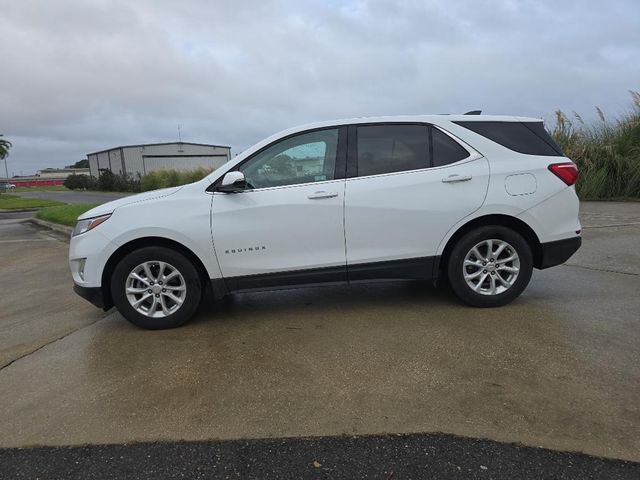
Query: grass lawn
[14,202]
[65,214]
[48,188]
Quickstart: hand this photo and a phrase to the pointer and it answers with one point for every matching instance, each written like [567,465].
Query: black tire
[455,269]
[191,299]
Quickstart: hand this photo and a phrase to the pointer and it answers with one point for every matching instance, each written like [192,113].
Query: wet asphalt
[384,457]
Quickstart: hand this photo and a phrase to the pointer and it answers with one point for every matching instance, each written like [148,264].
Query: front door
[287,227]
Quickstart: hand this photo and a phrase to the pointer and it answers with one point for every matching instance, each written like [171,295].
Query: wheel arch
[494,219]
[142,242]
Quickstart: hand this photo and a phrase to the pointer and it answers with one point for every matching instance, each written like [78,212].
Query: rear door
[407,185]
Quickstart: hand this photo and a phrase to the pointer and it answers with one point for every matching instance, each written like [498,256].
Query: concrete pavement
[558,368]
[613,236]
[35,305]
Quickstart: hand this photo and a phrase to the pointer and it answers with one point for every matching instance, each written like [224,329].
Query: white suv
[479,200]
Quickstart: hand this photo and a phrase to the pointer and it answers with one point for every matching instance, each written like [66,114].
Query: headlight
[88,224]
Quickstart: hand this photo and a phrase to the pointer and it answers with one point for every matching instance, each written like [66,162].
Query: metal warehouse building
[141,159]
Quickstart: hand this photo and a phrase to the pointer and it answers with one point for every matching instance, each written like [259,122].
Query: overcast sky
[80,76]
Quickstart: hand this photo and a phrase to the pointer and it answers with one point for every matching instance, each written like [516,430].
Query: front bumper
[93,295]
[555,253]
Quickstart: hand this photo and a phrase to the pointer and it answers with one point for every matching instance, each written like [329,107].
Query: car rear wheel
[156,288]
[490,266]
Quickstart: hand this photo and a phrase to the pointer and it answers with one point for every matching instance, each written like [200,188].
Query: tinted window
[392,148]
[445,149]
[522,137]
[306,158]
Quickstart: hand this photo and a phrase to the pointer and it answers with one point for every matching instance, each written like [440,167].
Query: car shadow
[345,298]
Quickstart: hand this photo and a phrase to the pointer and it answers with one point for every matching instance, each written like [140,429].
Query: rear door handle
[456,178]
[322,194]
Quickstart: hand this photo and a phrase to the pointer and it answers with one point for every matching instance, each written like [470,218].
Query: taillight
[567,172]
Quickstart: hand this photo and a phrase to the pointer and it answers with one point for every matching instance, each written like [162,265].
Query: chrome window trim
[279,187]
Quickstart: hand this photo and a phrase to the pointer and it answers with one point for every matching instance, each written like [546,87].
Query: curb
[52,226]
[18,210]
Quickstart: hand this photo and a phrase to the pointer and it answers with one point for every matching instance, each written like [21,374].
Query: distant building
[61,172]
[134,160]
[47,177]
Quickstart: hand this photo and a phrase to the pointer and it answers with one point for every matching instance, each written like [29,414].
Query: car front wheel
[490,266]
[156,288]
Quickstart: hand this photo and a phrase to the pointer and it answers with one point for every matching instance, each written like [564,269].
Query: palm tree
[5,145]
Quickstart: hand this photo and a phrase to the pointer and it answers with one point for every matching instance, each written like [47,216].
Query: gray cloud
[81,76]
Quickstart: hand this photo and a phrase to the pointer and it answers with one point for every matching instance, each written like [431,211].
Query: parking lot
[559,368]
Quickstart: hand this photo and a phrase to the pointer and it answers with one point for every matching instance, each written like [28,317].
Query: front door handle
[456,178]
[322,194]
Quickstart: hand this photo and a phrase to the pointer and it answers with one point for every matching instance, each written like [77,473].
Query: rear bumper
[555,253]
[92,294]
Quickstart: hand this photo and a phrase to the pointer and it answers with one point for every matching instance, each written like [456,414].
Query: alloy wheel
[491,267]
[155,289]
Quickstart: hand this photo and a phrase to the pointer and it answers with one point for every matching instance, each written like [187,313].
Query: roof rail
[474,112]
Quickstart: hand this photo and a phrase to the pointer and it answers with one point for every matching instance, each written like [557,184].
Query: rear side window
[445,149]
[522,137]
[392,148]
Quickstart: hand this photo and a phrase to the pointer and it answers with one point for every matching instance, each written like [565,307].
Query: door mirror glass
[232,182]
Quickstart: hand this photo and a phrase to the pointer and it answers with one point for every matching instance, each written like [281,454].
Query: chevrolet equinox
[478,200]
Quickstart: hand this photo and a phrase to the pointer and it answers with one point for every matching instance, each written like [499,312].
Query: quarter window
[522,137]
[445,149]
[306,158]
[392,148]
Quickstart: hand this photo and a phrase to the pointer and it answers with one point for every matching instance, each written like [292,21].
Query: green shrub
[607,153]
[150,181]
[112,182]
[80,182]
[171,178]
[107,181]
[196,175]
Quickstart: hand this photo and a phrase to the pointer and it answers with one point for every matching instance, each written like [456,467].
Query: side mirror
[232,182]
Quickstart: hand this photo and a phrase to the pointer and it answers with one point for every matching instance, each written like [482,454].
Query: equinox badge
[243,250]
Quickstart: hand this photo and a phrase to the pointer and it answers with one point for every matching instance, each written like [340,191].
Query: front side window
[305,158]
[392,148]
